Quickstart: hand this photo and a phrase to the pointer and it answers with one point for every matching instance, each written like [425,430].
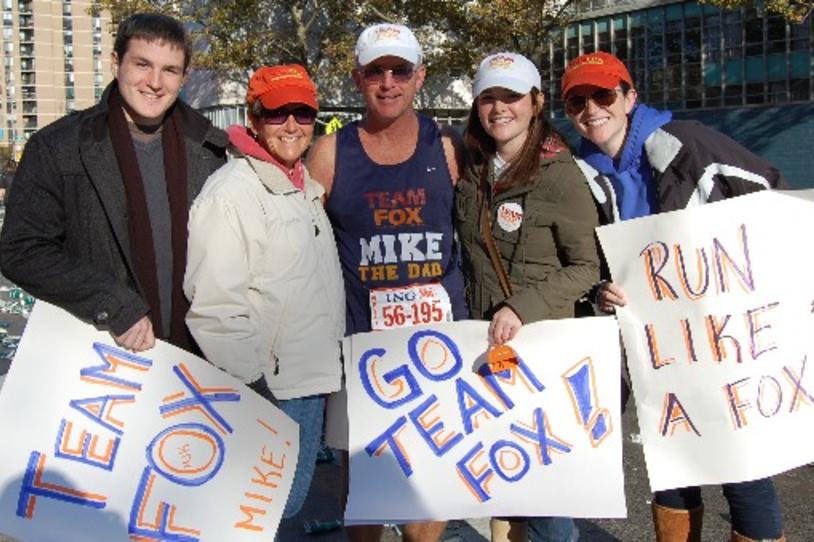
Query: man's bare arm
[454,152]
[321,161]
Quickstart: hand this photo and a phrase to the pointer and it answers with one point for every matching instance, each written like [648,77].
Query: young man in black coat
[97,220]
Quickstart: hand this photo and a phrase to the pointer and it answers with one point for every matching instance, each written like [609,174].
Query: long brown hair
[481,146]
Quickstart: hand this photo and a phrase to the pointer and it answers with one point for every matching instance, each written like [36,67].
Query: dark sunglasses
[400,73]
[604,97]
[302,114]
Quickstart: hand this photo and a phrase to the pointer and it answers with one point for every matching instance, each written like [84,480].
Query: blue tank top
[394,223]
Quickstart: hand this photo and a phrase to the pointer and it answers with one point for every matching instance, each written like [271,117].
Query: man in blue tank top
[390,182]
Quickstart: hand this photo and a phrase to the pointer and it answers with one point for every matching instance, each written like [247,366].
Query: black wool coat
[65,238]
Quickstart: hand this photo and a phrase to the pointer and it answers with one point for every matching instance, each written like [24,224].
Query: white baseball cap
[387,40]
[508,70]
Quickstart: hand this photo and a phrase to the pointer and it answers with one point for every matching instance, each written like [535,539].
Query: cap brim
[374,53]
[290,95]
[515,85]
[601,80]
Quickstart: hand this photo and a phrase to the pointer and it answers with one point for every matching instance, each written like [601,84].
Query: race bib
[392,308]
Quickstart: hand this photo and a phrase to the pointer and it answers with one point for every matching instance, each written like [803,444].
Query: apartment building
[56,59]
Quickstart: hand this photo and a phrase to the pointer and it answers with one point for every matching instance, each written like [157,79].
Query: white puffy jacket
[264,281]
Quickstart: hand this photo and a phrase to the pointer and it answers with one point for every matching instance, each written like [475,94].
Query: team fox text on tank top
[394,223]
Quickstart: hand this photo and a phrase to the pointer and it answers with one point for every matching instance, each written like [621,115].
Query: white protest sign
[436,434]
[105,445]
[717,332]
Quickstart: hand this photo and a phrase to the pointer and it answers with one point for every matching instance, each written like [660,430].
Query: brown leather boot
[674,525]
[737,537]
[508,531]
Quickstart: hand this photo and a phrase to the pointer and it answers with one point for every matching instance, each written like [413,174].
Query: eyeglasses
[375,74]
[302,115]
[604,97]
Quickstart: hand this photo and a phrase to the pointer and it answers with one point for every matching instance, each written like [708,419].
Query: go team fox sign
[718,337]
[438,430]
[103,444]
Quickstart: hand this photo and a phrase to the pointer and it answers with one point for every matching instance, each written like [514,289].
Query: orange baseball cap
[599,69]
[276,86]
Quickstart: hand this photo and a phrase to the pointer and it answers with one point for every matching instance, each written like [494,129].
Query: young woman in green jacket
[524,195]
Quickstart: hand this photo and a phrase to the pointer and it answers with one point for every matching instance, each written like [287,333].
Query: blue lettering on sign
[171,454]
[419,358]
[401,373]
[389,439]
[517,451]
[471,404]
[428,432]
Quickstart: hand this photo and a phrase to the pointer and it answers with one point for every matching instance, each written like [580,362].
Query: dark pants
[753,506]
[549,528]
[552,529]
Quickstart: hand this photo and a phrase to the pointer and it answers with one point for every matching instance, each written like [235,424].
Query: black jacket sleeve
[34,248]
[261,387]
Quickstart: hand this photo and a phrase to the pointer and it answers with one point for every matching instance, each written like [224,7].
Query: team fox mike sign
[718,335]
[441,429]
[105,445]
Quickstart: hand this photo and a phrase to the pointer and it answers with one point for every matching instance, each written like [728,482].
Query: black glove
[262,388]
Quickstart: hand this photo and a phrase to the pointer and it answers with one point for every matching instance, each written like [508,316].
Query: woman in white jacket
[263,276]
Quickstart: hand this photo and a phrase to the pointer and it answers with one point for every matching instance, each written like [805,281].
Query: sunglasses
[302,115]
[401,73]
[604,97]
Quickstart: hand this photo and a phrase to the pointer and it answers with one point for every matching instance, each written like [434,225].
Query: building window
[586,32]
[572,42]
[637,56]
[619,37]
[687,56]
[733,34]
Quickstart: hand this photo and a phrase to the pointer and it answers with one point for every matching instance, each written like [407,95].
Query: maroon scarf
[142,252]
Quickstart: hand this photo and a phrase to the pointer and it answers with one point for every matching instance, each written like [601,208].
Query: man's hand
[609,297]
[505,325]
[138,338]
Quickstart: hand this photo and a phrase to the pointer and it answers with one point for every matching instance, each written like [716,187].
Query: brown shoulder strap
[488,237]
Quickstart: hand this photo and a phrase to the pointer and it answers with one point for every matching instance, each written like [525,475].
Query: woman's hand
[505,325]
[609,297]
